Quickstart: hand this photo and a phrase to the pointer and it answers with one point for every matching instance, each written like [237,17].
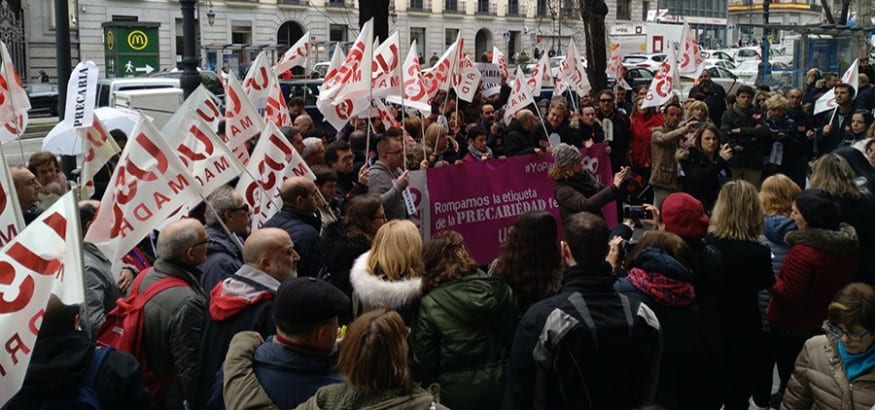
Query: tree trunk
[827,11]
[846,5]
[593,13]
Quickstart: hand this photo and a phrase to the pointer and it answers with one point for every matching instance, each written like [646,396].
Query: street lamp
[190,78]
[211,15]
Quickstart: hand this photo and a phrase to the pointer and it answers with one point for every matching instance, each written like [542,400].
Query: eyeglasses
[244,207]
[607,100]
[838,332]
[204,242]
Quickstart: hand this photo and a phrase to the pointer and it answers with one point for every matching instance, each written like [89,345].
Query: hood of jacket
[836,242]
[58,365]
[777,227]
[473,298]
[656,260]
[373,290]
[220,242]
[276,355]
[232,295]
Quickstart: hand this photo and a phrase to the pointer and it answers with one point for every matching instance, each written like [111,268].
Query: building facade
[743,13]
[233,32]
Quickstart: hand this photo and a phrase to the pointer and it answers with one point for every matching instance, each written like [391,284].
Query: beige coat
[819,381]
[664,169]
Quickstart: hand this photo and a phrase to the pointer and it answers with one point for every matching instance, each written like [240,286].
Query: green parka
[462,339]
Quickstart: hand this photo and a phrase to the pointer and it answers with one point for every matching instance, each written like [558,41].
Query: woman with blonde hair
[734,230]
[837,370]
[465,326]
[390,274]
[445,148]
[374,368]
[833,174]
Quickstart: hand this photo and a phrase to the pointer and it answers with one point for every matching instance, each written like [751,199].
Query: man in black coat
[715,96]
[244,300]
[61,359]
[587,347]
[299,217]
[621,134]
[226,210]
[521,138]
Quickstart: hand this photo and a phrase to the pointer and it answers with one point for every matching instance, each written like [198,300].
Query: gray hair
[305,118]
[172,246]
[310,146]
[222,200]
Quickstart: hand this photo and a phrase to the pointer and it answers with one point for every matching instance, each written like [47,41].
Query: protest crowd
[249,260]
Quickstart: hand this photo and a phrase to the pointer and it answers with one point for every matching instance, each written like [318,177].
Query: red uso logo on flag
[344,109]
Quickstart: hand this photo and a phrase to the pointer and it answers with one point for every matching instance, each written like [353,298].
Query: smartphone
[636,213]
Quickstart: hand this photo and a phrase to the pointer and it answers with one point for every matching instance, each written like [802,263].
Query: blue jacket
[775,229]
[290,376]
[304,230]
[223,258]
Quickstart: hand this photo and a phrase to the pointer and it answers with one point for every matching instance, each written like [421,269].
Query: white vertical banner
[81,95]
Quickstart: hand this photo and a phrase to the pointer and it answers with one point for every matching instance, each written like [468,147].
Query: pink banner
[482,200]
[598,163]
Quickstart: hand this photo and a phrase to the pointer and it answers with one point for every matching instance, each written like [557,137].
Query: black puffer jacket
[223,258]
[59,364]
[518,141]
[339,251]
[304,229]
[462,338]
[749,143]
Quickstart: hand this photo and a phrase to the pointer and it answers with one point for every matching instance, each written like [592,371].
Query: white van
[108,87]
[160,104]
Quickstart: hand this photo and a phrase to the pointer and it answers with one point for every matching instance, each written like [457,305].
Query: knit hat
[307,301]
[684,216]
[565,155]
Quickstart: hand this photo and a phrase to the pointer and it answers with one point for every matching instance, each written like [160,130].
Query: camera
[636,213]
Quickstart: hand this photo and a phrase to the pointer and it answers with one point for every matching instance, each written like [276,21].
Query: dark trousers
[787,344]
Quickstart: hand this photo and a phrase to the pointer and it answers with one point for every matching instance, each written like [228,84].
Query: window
[450,35]
[624,10]
[418,34]
[542,8]
[451,6]
[482,6]
[337,32]
[513,8]
[415,5]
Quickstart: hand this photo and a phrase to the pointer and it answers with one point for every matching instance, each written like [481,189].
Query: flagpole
[370,97]
[84,320]
[231,235]
[544,126]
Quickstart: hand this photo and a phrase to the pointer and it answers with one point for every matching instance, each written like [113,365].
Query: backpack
[86,396]
[124,327]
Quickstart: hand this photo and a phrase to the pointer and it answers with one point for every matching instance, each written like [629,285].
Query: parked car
[648,61]
[725,55]
[43,98]
[107,87]
[782,74]
[209,79]
[729,65]
[747,53]
[319,70]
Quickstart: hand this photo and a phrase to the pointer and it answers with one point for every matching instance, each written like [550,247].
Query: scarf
[856,365]
[477,154]
[666,291]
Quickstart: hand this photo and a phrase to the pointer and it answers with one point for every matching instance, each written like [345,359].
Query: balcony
[338,3]
[454,7]
[419,6]
[292,2]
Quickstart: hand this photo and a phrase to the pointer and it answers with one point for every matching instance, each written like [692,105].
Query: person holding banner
[557,121]
[576,189]
[477,148]
[386,179]
[521,138]
[837,121]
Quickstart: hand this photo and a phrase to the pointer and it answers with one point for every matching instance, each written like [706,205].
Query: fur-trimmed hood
[839,242]
[373,290]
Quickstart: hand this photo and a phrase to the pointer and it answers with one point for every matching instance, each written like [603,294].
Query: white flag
[353,78]
[439,76]
[44,258]
[540,75]
[336,115]
[500,59]
[692,59]
[99,147]
[663,82]
[148,186]
[276,110]
[414,91]
[242,122]
[11,218]
[828,100]
[387,68]
[206,156]
[273,160]
[14,102]
[519,96]
[256,85]
[81,95]
[296,55]
[572,73]
[467,82]
[201,102]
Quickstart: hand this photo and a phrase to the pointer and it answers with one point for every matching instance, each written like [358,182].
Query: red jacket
[820,262]
[642,130]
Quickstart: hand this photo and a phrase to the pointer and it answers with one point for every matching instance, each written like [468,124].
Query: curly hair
[445,259]
[530,260]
